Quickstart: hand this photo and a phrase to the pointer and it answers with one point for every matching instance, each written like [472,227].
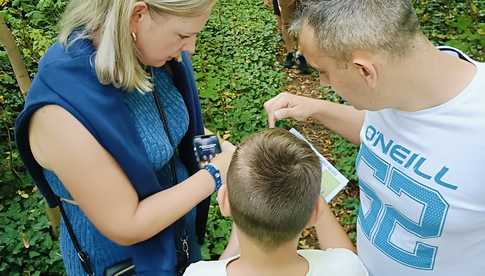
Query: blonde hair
[109,20]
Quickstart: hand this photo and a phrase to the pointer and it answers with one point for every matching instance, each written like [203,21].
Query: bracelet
[212,169]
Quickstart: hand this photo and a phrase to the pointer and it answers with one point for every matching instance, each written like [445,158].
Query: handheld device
[206,147]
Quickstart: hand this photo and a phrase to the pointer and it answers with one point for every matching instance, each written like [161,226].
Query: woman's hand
[100,187]
[222,160]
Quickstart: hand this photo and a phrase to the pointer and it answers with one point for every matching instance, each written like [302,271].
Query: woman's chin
[159,63]
[156,63]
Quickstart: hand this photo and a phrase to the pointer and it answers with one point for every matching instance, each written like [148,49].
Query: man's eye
[183,36]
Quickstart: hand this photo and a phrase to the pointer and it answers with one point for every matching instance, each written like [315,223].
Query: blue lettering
[370,133]
[418,165]
[402,156]
[385,148]
[399,153]
[411,160]
[438,178]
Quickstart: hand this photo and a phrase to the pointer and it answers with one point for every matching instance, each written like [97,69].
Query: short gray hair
[342,26]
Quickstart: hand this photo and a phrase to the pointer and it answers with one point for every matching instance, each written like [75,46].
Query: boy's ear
[316,212]
[223,201]
[366,68]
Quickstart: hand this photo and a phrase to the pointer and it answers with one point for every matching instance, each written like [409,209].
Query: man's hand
[342,119]
[287,105]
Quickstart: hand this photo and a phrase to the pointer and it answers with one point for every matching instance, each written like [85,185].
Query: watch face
[206,147]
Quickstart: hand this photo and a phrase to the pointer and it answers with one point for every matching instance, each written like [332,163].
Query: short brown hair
[273,184]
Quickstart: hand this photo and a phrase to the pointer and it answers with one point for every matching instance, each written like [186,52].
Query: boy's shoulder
[334,261]
[213,268]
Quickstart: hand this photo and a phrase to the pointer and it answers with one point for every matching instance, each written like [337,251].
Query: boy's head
[357,44]
[273,187]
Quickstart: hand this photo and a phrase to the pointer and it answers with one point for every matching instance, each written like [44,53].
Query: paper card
[332,180]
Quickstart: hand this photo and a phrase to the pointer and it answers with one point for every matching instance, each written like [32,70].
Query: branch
[24,82]
[15,58]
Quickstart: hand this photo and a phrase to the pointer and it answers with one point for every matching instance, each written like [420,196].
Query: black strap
[83,256]
[183,257]
[163,118]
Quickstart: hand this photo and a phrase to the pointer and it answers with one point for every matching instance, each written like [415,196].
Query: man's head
[273,187]
[353,43]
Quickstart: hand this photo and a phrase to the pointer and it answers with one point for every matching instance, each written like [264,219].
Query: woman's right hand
[287,105]
[99,186]
[222,160]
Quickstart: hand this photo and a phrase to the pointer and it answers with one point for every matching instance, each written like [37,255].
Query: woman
[106,133]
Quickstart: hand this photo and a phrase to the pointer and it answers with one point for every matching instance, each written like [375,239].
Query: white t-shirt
[422,183]
[341,262]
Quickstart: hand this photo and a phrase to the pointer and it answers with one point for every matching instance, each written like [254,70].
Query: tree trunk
[268,3]
[23,80]
[54,216]
[15,58]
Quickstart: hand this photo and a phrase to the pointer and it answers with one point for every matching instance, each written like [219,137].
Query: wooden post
[15,58]
[23,80]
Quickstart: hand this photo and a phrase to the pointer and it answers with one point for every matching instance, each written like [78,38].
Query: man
[285,11]
[418,113]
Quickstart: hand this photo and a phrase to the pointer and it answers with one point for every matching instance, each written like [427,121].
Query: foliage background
[236,70]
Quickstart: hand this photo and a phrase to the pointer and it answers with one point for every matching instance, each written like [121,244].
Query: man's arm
[329,231]
[342,119]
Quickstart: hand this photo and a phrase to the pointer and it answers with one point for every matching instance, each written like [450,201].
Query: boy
[272,194]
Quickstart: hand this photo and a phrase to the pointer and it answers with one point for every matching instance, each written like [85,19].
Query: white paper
[332,180]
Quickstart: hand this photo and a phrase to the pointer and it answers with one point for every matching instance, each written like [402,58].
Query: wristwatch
[214,172]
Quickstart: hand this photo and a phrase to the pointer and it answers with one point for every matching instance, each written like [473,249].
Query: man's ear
[223,201]
[366,68]
[316,212]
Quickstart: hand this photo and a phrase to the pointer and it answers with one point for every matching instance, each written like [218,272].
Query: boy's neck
[255,260]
